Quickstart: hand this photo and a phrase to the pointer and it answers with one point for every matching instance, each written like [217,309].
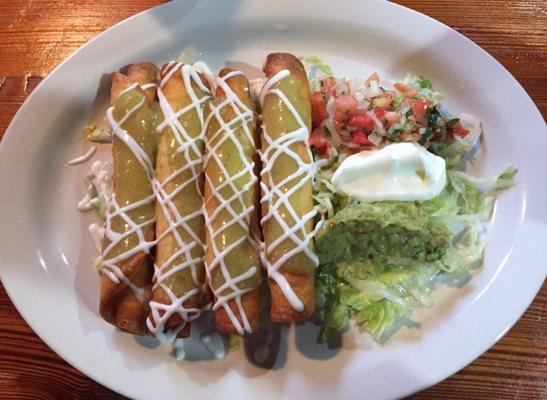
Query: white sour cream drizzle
[148,86]
[101,179]
[97,234]
[243,116]
[159,312]
[83,158]
[85,203]
[273,194]
[203,69]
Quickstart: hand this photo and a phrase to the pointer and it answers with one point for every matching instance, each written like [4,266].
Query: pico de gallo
[352,115]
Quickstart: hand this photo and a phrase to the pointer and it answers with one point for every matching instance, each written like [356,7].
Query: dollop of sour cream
[399,171]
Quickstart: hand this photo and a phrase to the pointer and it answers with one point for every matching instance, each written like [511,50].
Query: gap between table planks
[36,35]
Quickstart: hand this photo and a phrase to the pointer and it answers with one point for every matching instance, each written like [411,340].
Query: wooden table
[35,35]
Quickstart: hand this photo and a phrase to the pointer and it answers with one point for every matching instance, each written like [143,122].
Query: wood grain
[35,35]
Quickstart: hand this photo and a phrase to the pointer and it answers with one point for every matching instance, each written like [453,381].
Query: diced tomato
[380,113]
[392,116]
[338,118]
[318,109]
[358,111]
[317,138]
[324,152]
[361,138]
[360,119]
[373,77]
[327,85]
[408,92]
[319,141]
[459,130]
[419,108]
[400,87]
[346,102]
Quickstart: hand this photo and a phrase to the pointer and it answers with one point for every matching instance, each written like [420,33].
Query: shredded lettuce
[376,302]
[99,206]
[423,85]
[97,198]
[417,81]
[97,263]
[454,152]
[99,188]
[477,195]
[324,204]
[318,63]
[234,342]
[97,135]
[390,270]
[316,69]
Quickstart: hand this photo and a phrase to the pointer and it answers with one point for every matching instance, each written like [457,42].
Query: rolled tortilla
[179,273]
[287,204]
[127,271]
[231,217]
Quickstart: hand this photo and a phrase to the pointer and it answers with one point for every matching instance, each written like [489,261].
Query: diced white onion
[373,90]
[335,138]
[341,88]
[331,107]
[379,127]
[360,95]
[363,104]
[469,122]
[352,85]
[404,110]
[374,138]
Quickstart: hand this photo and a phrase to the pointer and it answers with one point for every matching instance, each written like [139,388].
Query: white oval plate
[46,250]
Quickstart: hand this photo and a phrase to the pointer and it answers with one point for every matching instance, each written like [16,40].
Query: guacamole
[382,230]
[377,262]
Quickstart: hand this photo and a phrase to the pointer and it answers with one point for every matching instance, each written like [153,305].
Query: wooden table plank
[36,35]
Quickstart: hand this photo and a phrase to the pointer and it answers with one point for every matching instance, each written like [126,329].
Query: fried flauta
[127,271]
[231,187]
[179,273]
[286,182]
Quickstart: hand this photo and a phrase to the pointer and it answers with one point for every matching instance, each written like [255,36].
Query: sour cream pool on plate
[399,171]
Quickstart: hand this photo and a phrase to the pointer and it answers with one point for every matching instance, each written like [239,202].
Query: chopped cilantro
[326,130]
[394,134]
[319,64]
[452,122]
[432,116]
[424,82]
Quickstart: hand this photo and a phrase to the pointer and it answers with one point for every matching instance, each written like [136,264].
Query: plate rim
[10,133]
